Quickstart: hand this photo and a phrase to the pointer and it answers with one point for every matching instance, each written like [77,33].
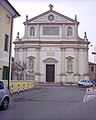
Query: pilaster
[76,61]
[76,31]
[26,31]
[86,68]
[24,55]
[38,64]
[16,54]
[63,31]
[62,73]
[38,31]
[25,60]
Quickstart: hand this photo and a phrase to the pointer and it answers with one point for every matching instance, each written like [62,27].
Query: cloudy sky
[84,9]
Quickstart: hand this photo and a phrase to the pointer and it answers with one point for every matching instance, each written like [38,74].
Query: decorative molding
[30,72]
[69,57]
[50,42]
[38,73]
[50,60]
[76,74]
[63,74]
[86,74]
[69,72]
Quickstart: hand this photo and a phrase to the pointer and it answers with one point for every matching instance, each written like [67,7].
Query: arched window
[32,31]
[69,31]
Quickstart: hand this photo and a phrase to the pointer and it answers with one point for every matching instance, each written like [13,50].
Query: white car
[85,83]
[4,96]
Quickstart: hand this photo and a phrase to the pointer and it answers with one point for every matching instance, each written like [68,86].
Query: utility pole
[94,53]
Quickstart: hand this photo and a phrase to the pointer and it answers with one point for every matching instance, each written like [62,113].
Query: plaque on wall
[50,30]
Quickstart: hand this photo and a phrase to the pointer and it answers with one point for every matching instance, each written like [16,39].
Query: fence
[17,86]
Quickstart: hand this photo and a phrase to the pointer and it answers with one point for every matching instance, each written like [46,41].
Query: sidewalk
[54,84]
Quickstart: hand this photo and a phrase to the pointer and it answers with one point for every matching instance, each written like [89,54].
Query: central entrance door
[50,72]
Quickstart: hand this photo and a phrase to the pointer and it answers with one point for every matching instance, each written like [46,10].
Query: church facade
[52,50]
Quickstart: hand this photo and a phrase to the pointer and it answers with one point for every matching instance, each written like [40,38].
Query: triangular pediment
[51,16]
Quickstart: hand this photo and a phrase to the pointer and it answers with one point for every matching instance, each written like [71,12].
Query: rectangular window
[50,30]
[7,19]
[6,42]
[92,68]
[5,73]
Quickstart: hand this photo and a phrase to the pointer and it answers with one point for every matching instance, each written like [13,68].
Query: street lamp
[94,53]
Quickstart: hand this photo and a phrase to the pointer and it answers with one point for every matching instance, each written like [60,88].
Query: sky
[84,9]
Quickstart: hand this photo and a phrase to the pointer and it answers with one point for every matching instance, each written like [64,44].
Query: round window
[51,17]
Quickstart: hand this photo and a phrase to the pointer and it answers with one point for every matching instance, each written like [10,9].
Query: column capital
[62,48]
[38,48]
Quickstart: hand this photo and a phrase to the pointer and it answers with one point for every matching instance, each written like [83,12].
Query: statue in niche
[69,31]
[31,64]
[32,31]
[69,64]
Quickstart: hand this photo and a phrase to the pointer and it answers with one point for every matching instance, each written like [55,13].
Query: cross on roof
[51,6]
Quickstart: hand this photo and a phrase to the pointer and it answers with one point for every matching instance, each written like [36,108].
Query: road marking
[89,96]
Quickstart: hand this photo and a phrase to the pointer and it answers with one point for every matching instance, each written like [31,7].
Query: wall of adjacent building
[5,26]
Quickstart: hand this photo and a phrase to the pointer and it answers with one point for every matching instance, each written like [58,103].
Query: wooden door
[50,72]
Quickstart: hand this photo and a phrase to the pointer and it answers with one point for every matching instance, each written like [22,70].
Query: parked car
[85,83]
[4,96]
[93,81]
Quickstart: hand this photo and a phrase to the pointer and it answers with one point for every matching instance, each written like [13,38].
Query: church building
[51,49]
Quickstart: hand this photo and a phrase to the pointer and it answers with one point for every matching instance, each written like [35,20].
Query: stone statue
[69,65]
[51,6]
[31,64]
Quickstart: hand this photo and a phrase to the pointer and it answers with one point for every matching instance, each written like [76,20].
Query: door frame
[54,71]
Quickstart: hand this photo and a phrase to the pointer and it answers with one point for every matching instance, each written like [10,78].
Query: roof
[10,8]
[54,12]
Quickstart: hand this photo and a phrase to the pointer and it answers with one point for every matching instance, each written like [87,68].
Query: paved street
[52,102]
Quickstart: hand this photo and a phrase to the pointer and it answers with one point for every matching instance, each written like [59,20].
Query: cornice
[9,7]
[51,42]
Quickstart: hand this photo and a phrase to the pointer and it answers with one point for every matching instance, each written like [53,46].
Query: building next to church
[7,15]
[51,49]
